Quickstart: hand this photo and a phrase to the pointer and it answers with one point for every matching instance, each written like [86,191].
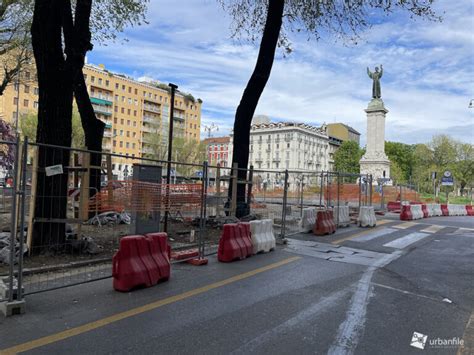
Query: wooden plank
[34,182]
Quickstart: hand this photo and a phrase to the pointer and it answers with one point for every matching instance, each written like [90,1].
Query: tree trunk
[78,43]
[54,125]
[251,95]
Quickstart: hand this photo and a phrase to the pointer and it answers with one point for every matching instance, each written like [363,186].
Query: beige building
[136,113]
[343,132]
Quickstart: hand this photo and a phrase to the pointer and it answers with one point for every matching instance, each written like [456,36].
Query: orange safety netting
[350,192]
[142,196]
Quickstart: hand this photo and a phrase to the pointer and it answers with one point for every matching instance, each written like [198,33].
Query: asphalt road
[362,291]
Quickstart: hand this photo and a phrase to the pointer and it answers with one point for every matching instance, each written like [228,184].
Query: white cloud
[427,84]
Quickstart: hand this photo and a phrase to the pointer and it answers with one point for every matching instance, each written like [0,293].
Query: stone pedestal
[375,161]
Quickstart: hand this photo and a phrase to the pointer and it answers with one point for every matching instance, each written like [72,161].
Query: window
[100,81]
[85,77]
[135,122]
[122,110]
[116,98]
[128,112]
[114,143]
[288,145]
[15,101]
[92,78]
[116,108]
[127,145]
[27,75]
[133,146]
[15,86]
[123,87]
[35,104]
[129,89]
[122,121]
[135,102]
[36,91]
[129,100]
[134,134]
[116,85]
[107,83]
[136,92]
[134,113]
[121,132]
[161,98]
[121,144]
[115,131]
[27,89]
[128,122]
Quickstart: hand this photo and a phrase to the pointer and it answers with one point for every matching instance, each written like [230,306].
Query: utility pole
[170,149]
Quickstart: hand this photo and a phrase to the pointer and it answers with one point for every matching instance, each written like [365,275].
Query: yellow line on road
[383,221]
[138,310]
[467,348]
[405,225]
[432,229]
[364,232]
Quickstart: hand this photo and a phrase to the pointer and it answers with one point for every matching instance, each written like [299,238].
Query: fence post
[233,203]
[283,213]
[218,188]
[13,222]
[360,190]
[202,219]
[321,190]
[22,218]
[370,191]
[249,185]
[302,195]
[338,203]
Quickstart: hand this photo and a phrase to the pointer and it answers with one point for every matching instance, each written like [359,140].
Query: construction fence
[64,210]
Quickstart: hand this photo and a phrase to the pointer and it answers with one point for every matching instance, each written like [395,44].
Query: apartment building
[219,150]
[289,145]
[343,132]
[136,114]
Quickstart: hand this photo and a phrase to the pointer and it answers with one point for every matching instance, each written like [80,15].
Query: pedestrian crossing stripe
[432,229]
[405,241]
[405,225]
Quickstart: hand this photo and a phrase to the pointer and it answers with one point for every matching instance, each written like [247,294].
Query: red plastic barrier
[324,223]
[415,203]
[469,210]
[425,211]
[141,261]
[393,206]
[235,242]
[160,252]
[444,210]
[405,214]
[128,269]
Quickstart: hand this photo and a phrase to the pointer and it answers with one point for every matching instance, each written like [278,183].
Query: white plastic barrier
[416,211]
[367,216]
[263,239]
[343,212]
[309,219]
[457,210]
[434,209]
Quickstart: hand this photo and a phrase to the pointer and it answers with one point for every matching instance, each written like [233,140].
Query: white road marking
[405,241]
[405,225]
[351,329]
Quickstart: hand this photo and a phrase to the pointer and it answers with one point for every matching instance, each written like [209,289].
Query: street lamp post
[170,150]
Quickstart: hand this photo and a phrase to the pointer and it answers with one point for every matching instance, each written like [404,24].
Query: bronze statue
[376,76]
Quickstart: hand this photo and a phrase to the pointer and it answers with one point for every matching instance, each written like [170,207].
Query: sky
[427,84]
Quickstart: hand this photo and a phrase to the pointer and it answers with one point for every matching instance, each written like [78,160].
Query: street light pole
[170,149]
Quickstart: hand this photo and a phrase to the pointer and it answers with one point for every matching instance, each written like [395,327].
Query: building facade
[287,145]
[343,132]
[219,151]
[136,114]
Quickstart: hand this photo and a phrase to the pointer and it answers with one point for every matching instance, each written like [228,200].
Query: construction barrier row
[341,216]
[308,219]
[263,239]
[324,223]
[417,211]
[141,261]
[367,217]
[393,206]
[235,242]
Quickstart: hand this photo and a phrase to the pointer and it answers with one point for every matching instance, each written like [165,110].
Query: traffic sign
[447,181]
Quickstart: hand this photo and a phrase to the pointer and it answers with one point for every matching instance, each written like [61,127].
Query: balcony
[107,134]
[151,119]
[268,150]
[102,110]
[258,159]
[276,159]
[151,108]
[101,100]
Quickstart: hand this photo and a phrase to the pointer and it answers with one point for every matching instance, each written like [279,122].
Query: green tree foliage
[346,158]
[401,157]
[29,122]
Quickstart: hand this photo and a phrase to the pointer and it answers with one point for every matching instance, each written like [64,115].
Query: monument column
[375,161]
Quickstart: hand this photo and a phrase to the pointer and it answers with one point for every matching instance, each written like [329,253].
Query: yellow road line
[468,338]
[405,225]
[138,310]
[432,229]
[364,232]
[383,221]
